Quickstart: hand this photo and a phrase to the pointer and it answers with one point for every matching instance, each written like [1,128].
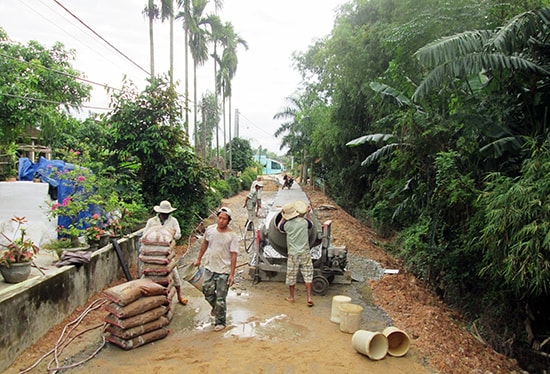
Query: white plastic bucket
[350,317]
[335,311]
[372,344]
[398,341]
[193,274]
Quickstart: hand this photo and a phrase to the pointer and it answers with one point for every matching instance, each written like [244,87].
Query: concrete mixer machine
[269,258]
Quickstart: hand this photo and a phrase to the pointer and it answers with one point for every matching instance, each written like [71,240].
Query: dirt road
[266,334]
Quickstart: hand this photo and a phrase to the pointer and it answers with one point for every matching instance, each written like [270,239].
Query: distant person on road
[221,245]
[296,223]
[251,203]
[259,180]
[169,223]
[287,181]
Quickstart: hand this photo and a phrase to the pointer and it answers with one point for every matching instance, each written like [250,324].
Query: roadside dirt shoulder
[439,333]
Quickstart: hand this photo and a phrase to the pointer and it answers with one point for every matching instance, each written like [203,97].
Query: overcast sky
[272,29]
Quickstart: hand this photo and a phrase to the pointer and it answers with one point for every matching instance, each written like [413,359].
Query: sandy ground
[266,334]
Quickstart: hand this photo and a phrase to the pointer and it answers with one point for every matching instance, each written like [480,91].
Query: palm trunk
[216,110]
[187,87]
[151,41]
[172,49]
[229,127]
[224,130]
[195,104]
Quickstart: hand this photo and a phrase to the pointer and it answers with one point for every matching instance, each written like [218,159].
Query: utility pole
[236,123]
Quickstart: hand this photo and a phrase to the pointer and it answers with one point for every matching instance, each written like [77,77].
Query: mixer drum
[277,239]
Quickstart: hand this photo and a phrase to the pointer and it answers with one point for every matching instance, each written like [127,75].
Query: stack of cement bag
[137,313]
[157,262]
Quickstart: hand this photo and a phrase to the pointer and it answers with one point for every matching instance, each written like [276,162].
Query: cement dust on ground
[266,334]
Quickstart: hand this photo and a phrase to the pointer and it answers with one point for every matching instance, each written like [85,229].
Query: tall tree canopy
[38,86]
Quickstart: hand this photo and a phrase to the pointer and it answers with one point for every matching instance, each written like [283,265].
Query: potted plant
[95,233]
[17,253]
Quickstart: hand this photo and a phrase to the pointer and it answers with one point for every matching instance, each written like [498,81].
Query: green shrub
[222,188]
[247,177]
[234,186]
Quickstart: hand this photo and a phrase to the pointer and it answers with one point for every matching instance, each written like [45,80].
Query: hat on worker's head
[301,207]
[289,211]
[225,210]
[164,207]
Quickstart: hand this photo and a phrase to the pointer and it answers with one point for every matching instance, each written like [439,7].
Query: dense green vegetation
[429,119]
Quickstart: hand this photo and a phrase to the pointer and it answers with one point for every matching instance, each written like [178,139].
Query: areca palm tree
[196,41]
[228,67]
[216,37]
[186,17]
[152,12]
[198,45]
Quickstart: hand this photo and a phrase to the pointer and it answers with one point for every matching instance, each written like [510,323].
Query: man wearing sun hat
[296,223]
[221,244]
[169,223]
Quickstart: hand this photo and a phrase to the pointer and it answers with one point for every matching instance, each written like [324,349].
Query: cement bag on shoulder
[157,236]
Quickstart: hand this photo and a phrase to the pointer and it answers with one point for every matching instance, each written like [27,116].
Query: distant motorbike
[288,182]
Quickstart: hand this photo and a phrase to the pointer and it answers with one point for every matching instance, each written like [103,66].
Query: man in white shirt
[221,244]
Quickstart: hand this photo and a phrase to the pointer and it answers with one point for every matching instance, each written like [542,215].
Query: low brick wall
[29,309]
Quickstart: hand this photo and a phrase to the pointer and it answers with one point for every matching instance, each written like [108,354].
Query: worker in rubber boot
[296,223]
[165,220]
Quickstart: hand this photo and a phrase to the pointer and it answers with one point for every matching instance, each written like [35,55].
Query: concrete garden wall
[30,308]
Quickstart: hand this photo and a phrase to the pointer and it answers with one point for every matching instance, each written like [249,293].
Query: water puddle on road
[273,329]
[242,322]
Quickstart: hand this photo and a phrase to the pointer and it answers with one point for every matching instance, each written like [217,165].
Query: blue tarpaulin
[59,188]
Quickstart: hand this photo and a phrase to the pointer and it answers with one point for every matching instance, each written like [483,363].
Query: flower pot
[104,240]
[16,272]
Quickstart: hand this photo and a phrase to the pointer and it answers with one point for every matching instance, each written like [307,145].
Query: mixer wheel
[320,285]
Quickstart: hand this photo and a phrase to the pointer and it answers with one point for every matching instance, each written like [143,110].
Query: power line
[253,124]
[86,45]
[60,72]
[49,101]
[102,38]
[111,45]
[69,33]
